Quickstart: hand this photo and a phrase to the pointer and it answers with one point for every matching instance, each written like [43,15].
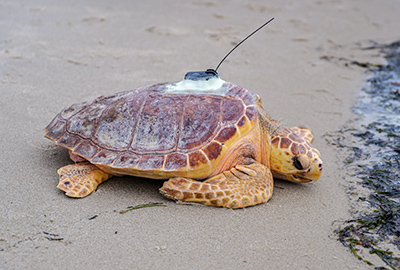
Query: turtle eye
[297,163]
[300,162]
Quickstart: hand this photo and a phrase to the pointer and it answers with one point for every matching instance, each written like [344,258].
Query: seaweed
[53,237]
[374,150]
[130,208]
[370,230]
[349,62]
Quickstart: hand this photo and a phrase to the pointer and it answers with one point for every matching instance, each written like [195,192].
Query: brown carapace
[201,128]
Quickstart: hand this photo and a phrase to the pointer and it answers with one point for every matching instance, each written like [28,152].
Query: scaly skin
[303,132]
[244,185]
[79,180]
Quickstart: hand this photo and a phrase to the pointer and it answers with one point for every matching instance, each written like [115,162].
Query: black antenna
[237,45]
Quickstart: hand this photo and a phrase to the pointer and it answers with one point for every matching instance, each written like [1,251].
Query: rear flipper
[242,186]
[79,180]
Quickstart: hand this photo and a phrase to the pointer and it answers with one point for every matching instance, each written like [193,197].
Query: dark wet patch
[374,148]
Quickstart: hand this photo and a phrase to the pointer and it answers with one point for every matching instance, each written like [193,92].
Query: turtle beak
[313,175]
[290,177]
[316,174]
[301,180]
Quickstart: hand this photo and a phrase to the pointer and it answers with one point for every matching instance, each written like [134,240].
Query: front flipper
[303,132]
[79,180]
[244,185]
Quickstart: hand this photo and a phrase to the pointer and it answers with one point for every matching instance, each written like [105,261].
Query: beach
[56,53]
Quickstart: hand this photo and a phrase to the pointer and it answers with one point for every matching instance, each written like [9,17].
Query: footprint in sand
[166,31]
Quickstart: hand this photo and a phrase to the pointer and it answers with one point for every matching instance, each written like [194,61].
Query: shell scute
[126,160]
[225,134]
[110,99]
[231,110]
[213,150]
[86,149]
[83,123]
[251,113]
[55,129]
[104,157]
[159,124]
[197,158]
[175,161]
[74,108]
[69,141]
[150,162]
[249,98]
[242,121]
[237,91]
[118,121]
[200,120]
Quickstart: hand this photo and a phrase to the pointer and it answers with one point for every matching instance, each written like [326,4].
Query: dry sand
[55,53]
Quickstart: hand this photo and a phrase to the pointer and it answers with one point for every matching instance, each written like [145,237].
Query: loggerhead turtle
[201,128]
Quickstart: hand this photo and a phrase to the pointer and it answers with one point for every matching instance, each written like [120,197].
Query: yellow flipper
[242,186]
[79,180]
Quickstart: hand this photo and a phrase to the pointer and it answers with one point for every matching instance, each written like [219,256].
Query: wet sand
[56,53]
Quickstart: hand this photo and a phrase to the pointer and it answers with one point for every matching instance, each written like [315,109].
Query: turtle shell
[156,133]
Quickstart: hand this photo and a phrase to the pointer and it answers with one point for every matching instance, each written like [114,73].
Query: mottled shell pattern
[155,132]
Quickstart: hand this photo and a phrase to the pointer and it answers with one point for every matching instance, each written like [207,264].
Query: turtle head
[293,157]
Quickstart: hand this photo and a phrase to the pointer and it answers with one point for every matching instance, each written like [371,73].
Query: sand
[55,53]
